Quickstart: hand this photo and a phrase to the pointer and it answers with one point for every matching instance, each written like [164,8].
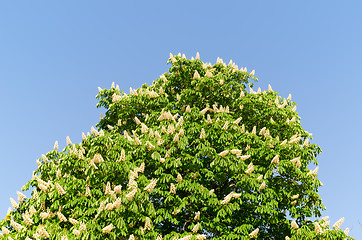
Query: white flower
[108,189]
[137,120]
[64,237]
[251,91]
[160,91]
[179,177]
[254,233]
[275,159]
[117,203]
[201,237]
[262,186]
[260,177]
[118,188]
[294,140]
[208,119]
[5,230]
[123,155]
[137,141]
[296,162]
[203,111]
[176,211]
[32,210]
[197,216]
[21,196]
[172,188]
[283,104]
[188,109]
[151,185]
[141,168]
[244,157]
[35,194]
[236,151]
[195,228]
[68,141]
[163,78]
[294,196]
[144,128]
[283,143]
[61,217]
[243,128]
[208,74]
[176,138]
[317,228]
[73,221]
[109,206]
[98,158]
[60,189]
[252,73]
[338,223]
[224,153]
[76,232]
[294,225]
[306,142]
[148,223]
[108,228]
[87,192]
[237,195]
[325,224]
[196,75]
[325,218]
[313,172]
[227,198]
[262,131]
[42,232]
[131,194]
[116,98]
[197,56]
[250,168]
[94,131]
[14,204]
[180,122]
[237,121]
[270,88]
[225,127]
[16,225]
[188,237]
[254,130]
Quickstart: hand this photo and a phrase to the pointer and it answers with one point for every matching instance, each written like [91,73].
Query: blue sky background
[54,55]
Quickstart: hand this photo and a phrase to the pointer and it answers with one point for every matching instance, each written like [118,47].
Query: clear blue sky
[54,55]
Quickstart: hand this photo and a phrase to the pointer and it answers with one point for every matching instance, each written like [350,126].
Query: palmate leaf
[189,157]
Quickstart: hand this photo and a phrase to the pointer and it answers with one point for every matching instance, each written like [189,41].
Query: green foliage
[193,156]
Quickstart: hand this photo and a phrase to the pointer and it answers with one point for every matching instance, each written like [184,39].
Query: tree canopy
[198,155]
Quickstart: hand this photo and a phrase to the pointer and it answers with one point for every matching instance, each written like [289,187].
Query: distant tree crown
[197,155]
